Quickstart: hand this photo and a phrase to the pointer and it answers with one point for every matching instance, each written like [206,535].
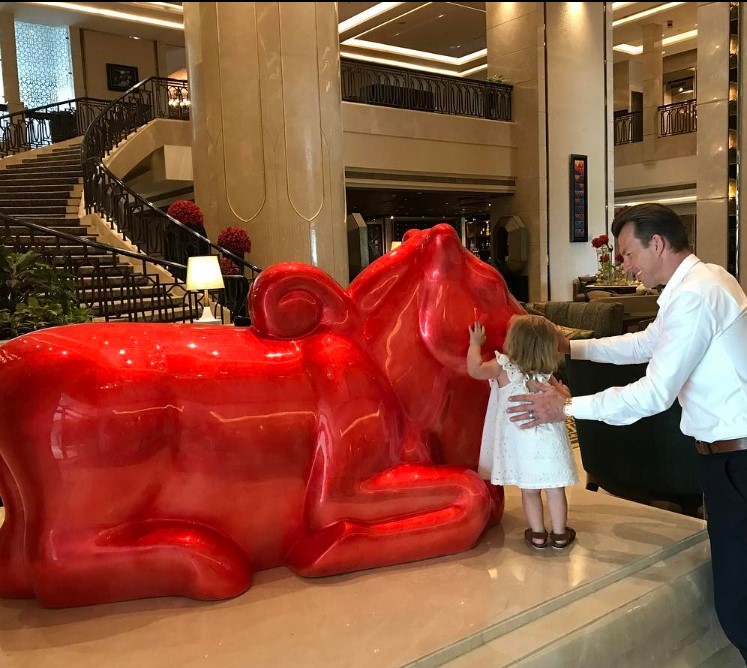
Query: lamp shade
[203,273]
[395,244]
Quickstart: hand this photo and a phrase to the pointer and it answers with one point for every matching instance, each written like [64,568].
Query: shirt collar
[677,277]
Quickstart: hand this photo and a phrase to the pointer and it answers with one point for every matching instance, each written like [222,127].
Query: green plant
[34,295]
[496,78]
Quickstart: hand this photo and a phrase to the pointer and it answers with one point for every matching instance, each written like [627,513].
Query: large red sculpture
[336,434]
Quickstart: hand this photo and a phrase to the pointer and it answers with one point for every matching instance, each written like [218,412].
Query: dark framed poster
[579,198]
[120,77]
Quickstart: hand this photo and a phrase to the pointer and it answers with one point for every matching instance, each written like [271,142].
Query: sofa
[649,461]
[589,319]
[580,320]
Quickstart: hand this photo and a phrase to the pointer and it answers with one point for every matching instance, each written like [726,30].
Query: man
[696,351]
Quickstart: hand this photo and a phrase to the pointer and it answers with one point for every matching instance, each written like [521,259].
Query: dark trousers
[724,481]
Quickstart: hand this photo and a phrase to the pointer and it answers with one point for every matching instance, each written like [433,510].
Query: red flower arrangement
[228,267]
[619,259]
[235,240]
[187,213]
[604,257]
[601,240]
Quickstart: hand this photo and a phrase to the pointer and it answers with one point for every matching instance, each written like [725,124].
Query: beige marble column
[711,237]
[653,92]
[554,54]
[267,127]
[515,43]
[9,57]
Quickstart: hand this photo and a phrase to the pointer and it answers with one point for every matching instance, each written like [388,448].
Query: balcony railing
[678,118]
[52,123]
[629,128]
[395,87]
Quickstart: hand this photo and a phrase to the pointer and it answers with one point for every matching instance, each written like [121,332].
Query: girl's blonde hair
[532,344]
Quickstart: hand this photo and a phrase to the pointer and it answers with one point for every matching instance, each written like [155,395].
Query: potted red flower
[228,267]
[236,240]
[187,213]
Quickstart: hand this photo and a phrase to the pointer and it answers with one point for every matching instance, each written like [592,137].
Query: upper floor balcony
[674,119]
[387,86]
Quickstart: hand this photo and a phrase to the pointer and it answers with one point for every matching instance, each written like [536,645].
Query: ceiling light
[413,53]
[466,73]
[168,5]
[112,14]
[366,15]
[681,37]
[646,12]
[684,199]
[674,39]
[629,49]
[400,63]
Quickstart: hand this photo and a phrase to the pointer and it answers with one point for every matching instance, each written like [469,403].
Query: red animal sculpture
[336,434]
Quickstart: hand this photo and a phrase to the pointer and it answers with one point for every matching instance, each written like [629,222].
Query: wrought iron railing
[156,234]
[52,123]
[115,289]
[678,118]
[420,91]
[629,128]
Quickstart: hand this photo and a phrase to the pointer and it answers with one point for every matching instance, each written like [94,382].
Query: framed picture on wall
[120,77]
[579,198]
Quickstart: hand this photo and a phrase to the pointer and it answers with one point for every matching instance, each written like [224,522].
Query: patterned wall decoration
[45,66]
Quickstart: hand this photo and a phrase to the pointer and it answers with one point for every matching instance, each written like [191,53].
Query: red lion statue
[340,432]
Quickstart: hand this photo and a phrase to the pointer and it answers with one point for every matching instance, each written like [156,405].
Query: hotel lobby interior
[348,137]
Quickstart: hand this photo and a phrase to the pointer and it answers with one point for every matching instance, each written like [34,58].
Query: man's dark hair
[650,219]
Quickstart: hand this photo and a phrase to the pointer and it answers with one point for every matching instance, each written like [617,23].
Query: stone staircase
[45,188]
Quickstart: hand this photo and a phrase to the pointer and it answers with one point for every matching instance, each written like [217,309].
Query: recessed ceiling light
[402,64]
[646,12]
[667,41]
[111,13]
[370,13]
[414,53]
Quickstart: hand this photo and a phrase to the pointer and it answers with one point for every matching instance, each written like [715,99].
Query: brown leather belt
[719,447]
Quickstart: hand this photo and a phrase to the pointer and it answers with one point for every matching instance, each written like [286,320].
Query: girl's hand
[477,334]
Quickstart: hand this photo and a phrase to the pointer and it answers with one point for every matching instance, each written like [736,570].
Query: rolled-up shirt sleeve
[673,345]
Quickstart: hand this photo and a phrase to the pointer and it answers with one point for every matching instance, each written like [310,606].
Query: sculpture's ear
[290,300]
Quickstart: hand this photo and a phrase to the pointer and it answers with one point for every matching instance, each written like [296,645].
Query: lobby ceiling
[441,37]
[451,36]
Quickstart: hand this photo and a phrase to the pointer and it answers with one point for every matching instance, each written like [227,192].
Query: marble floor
[636,576]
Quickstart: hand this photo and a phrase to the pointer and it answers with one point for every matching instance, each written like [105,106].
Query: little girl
[532,459]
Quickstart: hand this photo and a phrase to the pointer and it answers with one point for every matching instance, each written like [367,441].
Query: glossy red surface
[336,434]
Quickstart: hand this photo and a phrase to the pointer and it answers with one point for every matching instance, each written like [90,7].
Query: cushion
[571,333]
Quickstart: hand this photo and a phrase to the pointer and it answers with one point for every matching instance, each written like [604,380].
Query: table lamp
[203,273]
[395,244]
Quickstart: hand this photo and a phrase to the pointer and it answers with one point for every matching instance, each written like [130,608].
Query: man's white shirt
[696,350]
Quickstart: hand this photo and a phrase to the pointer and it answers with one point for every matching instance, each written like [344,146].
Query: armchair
[648,461]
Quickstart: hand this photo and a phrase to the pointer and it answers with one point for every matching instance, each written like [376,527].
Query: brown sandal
[562,540]
[530,536]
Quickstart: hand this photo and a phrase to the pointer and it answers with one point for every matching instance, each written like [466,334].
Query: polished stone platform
[634,591]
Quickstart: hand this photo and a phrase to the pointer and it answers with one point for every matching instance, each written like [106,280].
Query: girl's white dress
[538,458]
